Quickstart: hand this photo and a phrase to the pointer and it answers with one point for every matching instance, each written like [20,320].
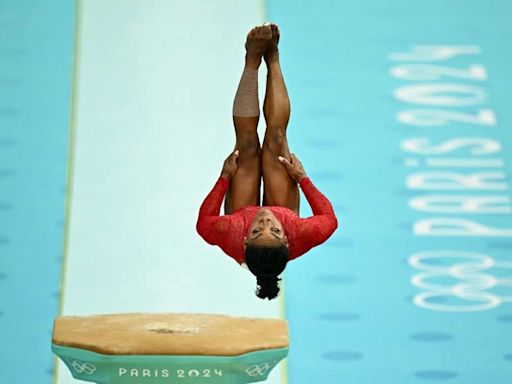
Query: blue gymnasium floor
[399,114]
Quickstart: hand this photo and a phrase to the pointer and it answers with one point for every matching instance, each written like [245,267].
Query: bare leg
[244,189]
[279,188]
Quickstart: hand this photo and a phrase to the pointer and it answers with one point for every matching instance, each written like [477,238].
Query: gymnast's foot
[272,52]
[257,40]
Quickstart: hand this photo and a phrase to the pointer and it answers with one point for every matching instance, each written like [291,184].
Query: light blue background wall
[36,51]
[350,302]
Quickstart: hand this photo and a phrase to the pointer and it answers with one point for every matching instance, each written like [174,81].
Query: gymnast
[263,238]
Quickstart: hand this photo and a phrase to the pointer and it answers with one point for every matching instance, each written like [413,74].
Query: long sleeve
[209,212]
[315,229]
[320,205]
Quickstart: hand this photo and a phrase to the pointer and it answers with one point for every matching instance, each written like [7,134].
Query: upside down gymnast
[263,237]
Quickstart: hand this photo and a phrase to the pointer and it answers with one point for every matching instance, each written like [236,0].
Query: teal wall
[36,52]
[355,312]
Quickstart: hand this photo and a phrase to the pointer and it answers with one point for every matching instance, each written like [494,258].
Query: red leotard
[228,231]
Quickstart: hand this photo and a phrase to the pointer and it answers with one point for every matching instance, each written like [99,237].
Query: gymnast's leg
[244,189]
[279,188]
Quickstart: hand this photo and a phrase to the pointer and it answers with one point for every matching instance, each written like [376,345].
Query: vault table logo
[82,367]
[472,281]
[260,369]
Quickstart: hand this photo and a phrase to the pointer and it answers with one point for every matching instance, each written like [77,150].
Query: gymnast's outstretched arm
[208,224]
[319,227]
[320,205]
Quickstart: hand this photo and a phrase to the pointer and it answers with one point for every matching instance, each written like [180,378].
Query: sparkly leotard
[228,231]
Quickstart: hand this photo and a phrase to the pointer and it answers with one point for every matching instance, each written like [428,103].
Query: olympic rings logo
[81,367]
[472,281]
[260,369]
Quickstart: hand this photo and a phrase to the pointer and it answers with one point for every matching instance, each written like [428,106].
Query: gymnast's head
[266,252]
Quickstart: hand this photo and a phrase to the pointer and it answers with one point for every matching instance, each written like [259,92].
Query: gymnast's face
[265,230]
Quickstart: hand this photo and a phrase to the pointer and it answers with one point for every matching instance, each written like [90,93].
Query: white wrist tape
[246,102]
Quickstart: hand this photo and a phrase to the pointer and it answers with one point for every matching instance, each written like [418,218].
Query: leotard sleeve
[209,224]
[316,229]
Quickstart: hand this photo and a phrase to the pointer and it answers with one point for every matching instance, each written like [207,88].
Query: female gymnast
[263,237]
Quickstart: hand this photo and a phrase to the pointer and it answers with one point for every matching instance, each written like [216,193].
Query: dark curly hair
[266,263]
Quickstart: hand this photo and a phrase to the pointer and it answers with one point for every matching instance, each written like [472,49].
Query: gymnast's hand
[294,167]
[230,166]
